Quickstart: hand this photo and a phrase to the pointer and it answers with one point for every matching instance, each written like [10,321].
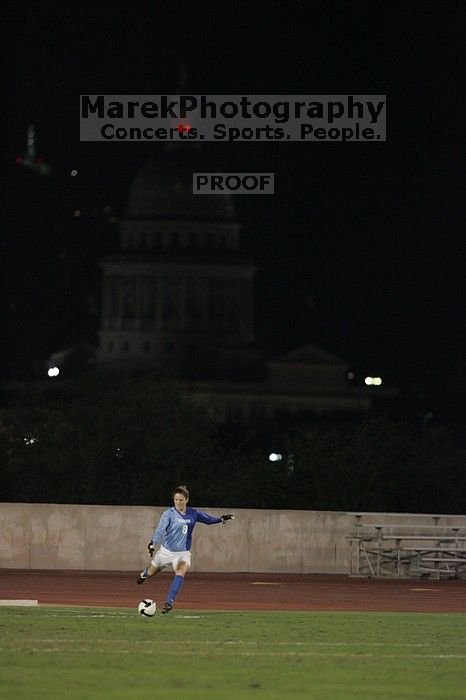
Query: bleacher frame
[400,550]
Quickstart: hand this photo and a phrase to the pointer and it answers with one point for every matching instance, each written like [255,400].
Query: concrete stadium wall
[48,536]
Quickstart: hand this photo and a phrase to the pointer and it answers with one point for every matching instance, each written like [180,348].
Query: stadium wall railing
[92,537]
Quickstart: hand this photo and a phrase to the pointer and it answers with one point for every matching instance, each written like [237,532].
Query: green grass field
[90,653]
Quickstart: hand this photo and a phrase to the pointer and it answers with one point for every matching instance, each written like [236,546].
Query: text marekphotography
[306,118]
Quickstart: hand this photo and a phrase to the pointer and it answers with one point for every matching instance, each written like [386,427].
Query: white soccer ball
[147,608]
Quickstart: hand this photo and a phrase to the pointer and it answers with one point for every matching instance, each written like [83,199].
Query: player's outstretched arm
[211,519]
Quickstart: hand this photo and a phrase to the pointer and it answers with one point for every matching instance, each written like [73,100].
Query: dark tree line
[112,438]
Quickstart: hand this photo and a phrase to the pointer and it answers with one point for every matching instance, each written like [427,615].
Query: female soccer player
[174,534]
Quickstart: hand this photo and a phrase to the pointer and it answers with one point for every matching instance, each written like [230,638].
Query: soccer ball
[147,608]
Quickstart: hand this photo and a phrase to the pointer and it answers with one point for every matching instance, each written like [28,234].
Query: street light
[373,381]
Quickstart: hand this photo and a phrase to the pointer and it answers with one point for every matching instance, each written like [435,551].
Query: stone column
[106,303]
[182,291]
[158,313]
[204,323]
[249,307]
[120,287]
[139,293]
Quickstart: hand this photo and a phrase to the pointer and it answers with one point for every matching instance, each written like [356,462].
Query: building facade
[178,297]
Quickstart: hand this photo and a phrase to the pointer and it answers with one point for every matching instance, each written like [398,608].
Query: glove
[226,517]
[151,549]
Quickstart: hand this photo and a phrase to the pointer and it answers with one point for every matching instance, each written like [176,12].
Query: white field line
[238,642]
[79,613]
[244,653]
[118,615]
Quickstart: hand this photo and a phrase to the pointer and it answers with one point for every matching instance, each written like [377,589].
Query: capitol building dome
[163,188]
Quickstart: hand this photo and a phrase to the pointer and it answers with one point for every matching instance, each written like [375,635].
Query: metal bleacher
[397,549]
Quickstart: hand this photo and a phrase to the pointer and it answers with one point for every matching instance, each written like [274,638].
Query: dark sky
[373,232]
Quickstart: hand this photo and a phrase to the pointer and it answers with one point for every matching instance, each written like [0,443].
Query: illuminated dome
[163,189]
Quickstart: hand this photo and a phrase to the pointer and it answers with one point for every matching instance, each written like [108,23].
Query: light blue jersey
[174,531]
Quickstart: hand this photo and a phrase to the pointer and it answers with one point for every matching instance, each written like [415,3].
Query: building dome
[163,189]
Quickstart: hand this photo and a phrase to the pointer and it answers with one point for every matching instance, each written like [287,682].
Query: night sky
[372,234]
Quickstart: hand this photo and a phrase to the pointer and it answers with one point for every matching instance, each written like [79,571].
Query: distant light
[375,381]
[30,440]
[77,213]
[74,173]
[273,457]
[53,372]
[350,375]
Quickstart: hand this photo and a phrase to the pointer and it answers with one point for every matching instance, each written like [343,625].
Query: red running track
[236,591]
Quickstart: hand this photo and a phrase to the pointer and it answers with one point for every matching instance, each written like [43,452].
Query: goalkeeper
[174,534]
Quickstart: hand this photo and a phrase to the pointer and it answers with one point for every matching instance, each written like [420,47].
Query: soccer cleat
[166,608]
[141,578]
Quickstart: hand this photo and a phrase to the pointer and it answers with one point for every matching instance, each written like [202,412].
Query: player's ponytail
[183,490]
